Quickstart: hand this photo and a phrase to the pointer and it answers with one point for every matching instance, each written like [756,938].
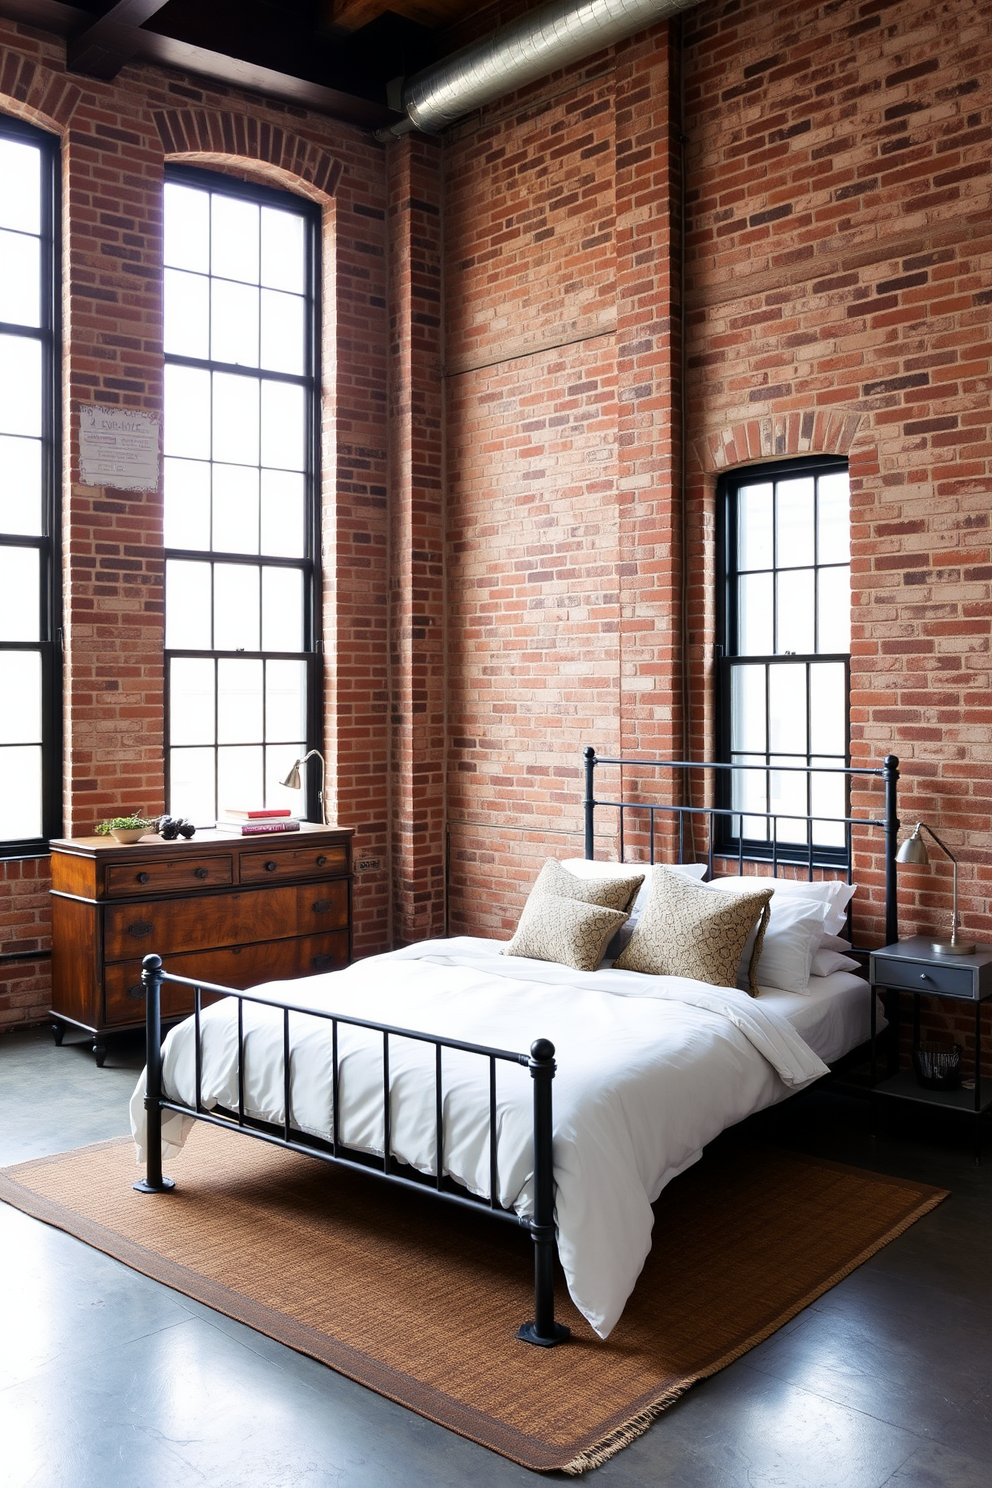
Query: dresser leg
[58,1032]
[99,1052]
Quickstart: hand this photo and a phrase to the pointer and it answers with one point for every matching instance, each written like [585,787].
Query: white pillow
[826,962]
[792,938]
[832,893]
[591,868]
[835,943]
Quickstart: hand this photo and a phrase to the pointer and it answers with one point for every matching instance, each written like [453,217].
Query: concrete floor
[109,1380]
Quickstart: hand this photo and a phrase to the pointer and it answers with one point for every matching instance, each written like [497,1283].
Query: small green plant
[133,823]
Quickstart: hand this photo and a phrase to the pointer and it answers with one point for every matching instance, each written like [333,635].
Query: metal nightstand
[911,966]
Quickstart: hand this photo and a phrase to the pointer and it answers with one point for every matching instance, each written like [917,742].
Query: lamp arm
[940,844]
[323,780]
[954,881]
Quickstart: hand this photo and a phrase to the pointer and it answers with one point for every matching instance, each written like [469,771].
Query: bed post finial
[543,1330]
[151,982]
[590,759]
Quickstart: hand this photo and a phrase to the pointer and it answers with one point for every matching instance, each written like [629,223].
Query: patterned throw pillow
[569,931]
[687,930]
[613,892]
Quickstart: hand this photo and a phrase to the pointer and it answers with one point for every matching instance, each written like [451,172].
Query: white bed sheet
[650,1069]
[833,1018]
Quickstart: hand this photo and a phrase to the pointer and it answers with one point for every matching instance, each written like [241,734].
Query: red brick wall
[838,263]
[116,138]
[837,298]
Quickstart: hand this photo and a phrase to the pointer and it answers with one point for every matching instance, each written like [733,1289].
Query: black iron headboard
[677,814]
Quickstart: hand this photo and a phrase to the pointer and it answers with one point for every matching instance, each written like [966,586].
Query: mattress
[833,1019]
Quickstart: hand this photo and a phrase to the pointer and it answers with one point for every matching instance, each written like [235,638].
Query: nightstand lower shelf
[903,1086]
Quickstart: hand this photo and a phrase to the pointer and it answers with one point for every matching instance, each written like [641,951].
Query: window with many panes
[30,793]
[784,656]
[240,437]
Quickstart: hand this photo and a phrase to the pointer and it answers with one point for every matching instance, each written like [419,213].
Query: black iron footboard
[542,1329]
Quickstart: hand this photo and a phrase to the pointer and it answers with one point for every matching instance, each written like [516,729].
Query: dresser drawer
[235,966]
[155,875]
[243,918]
[292,862]
[924,976]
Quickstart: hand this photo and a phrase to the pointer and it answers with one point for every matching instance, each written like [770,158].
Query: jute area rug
[420,1301]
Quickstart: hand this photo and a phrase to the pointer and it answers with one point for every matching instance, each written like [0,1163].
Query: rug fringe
[623,1435]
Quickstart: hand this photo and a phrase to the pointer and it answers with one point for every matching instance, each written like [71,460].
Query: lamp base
[953,947]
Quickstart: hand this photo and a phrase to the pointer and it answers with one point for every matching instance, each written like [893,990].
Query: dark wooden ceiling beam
[167,51]
[102,48]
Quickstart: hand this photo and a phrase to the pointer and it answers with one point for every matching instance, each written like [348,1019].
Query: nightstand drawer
[924,976]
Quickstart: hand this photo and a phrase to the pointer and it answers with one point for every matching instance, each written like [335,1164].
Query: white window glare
[20,186]
[784,704]
[28,673]
[187,314]
[187,412]
[20,385]
[187,228]
[238,489]
[283,426]
[283,251]
[233,238]
[20,279]
[20,486]
[235,423]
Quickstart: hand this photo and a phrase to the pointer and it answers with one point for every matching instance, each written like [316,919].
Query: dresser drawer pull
[199,872]
[142,877]
[271,867]
[320,906]
[136,991]
[321,861]
[140,929]
[924,977]
[317,962]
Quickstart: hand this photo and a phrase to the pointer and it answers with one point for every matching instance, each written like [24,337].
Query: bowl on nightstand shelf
[938,1066]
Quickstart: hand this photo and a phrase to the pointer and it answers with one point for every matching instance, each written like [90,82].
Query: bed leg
[151,981]
[543,1330]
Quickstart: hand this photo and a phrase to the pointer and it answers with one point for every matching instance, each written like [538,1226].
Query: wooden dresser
[232,910]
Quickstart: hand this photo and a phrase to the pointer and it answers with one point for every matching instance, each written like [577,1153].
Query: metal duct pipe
[560,32]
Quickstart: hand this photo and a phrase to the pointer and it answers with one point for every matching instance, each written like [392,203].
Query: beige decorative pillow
[614,892]
[687,930]
[564,930]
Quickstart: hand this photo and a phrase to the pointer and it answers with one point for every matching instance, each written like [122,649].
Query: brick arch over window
[776,436]
[34,94]
[219,137]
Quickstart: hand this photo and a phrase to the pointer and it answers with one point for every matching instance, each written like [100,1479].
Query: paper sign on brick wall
[118,447]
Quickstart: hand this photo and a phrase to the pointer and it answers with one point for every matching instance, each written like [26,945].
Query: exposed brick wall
[836,289]
[416,478]
[116,138]
[836,278]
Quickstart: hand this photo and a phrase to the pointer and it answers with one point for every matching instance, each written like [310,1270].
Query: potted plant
[125,828]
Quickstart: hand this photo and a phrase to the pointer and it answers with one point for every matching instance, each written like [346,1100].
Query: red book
[233,814]
[259,828]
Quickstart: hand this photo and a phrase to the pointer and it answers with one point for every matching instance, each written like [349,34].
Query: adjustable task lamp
[914,850]
[294,782]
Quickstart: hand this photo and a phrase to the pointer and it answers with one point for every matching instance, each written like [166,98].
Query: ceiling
[336,56]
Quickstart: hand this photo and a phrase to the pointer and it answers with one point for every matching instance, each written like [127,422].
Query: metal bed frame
[543,1329]
[789,855]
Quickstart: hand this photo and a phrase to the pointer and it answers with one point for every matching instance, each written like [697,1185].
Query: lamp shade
[293,778]
[913,850]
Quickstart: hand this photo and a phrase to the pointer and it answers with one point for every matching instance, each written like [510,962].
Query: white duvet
[650,1069]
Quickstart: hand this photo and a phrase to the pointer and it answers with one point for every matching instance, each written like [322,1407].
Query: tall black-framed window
[30,671]
[783,659]
[241,430]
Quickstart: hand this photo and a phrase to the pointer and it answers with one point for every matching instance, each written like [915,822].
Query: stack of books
[257,821]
